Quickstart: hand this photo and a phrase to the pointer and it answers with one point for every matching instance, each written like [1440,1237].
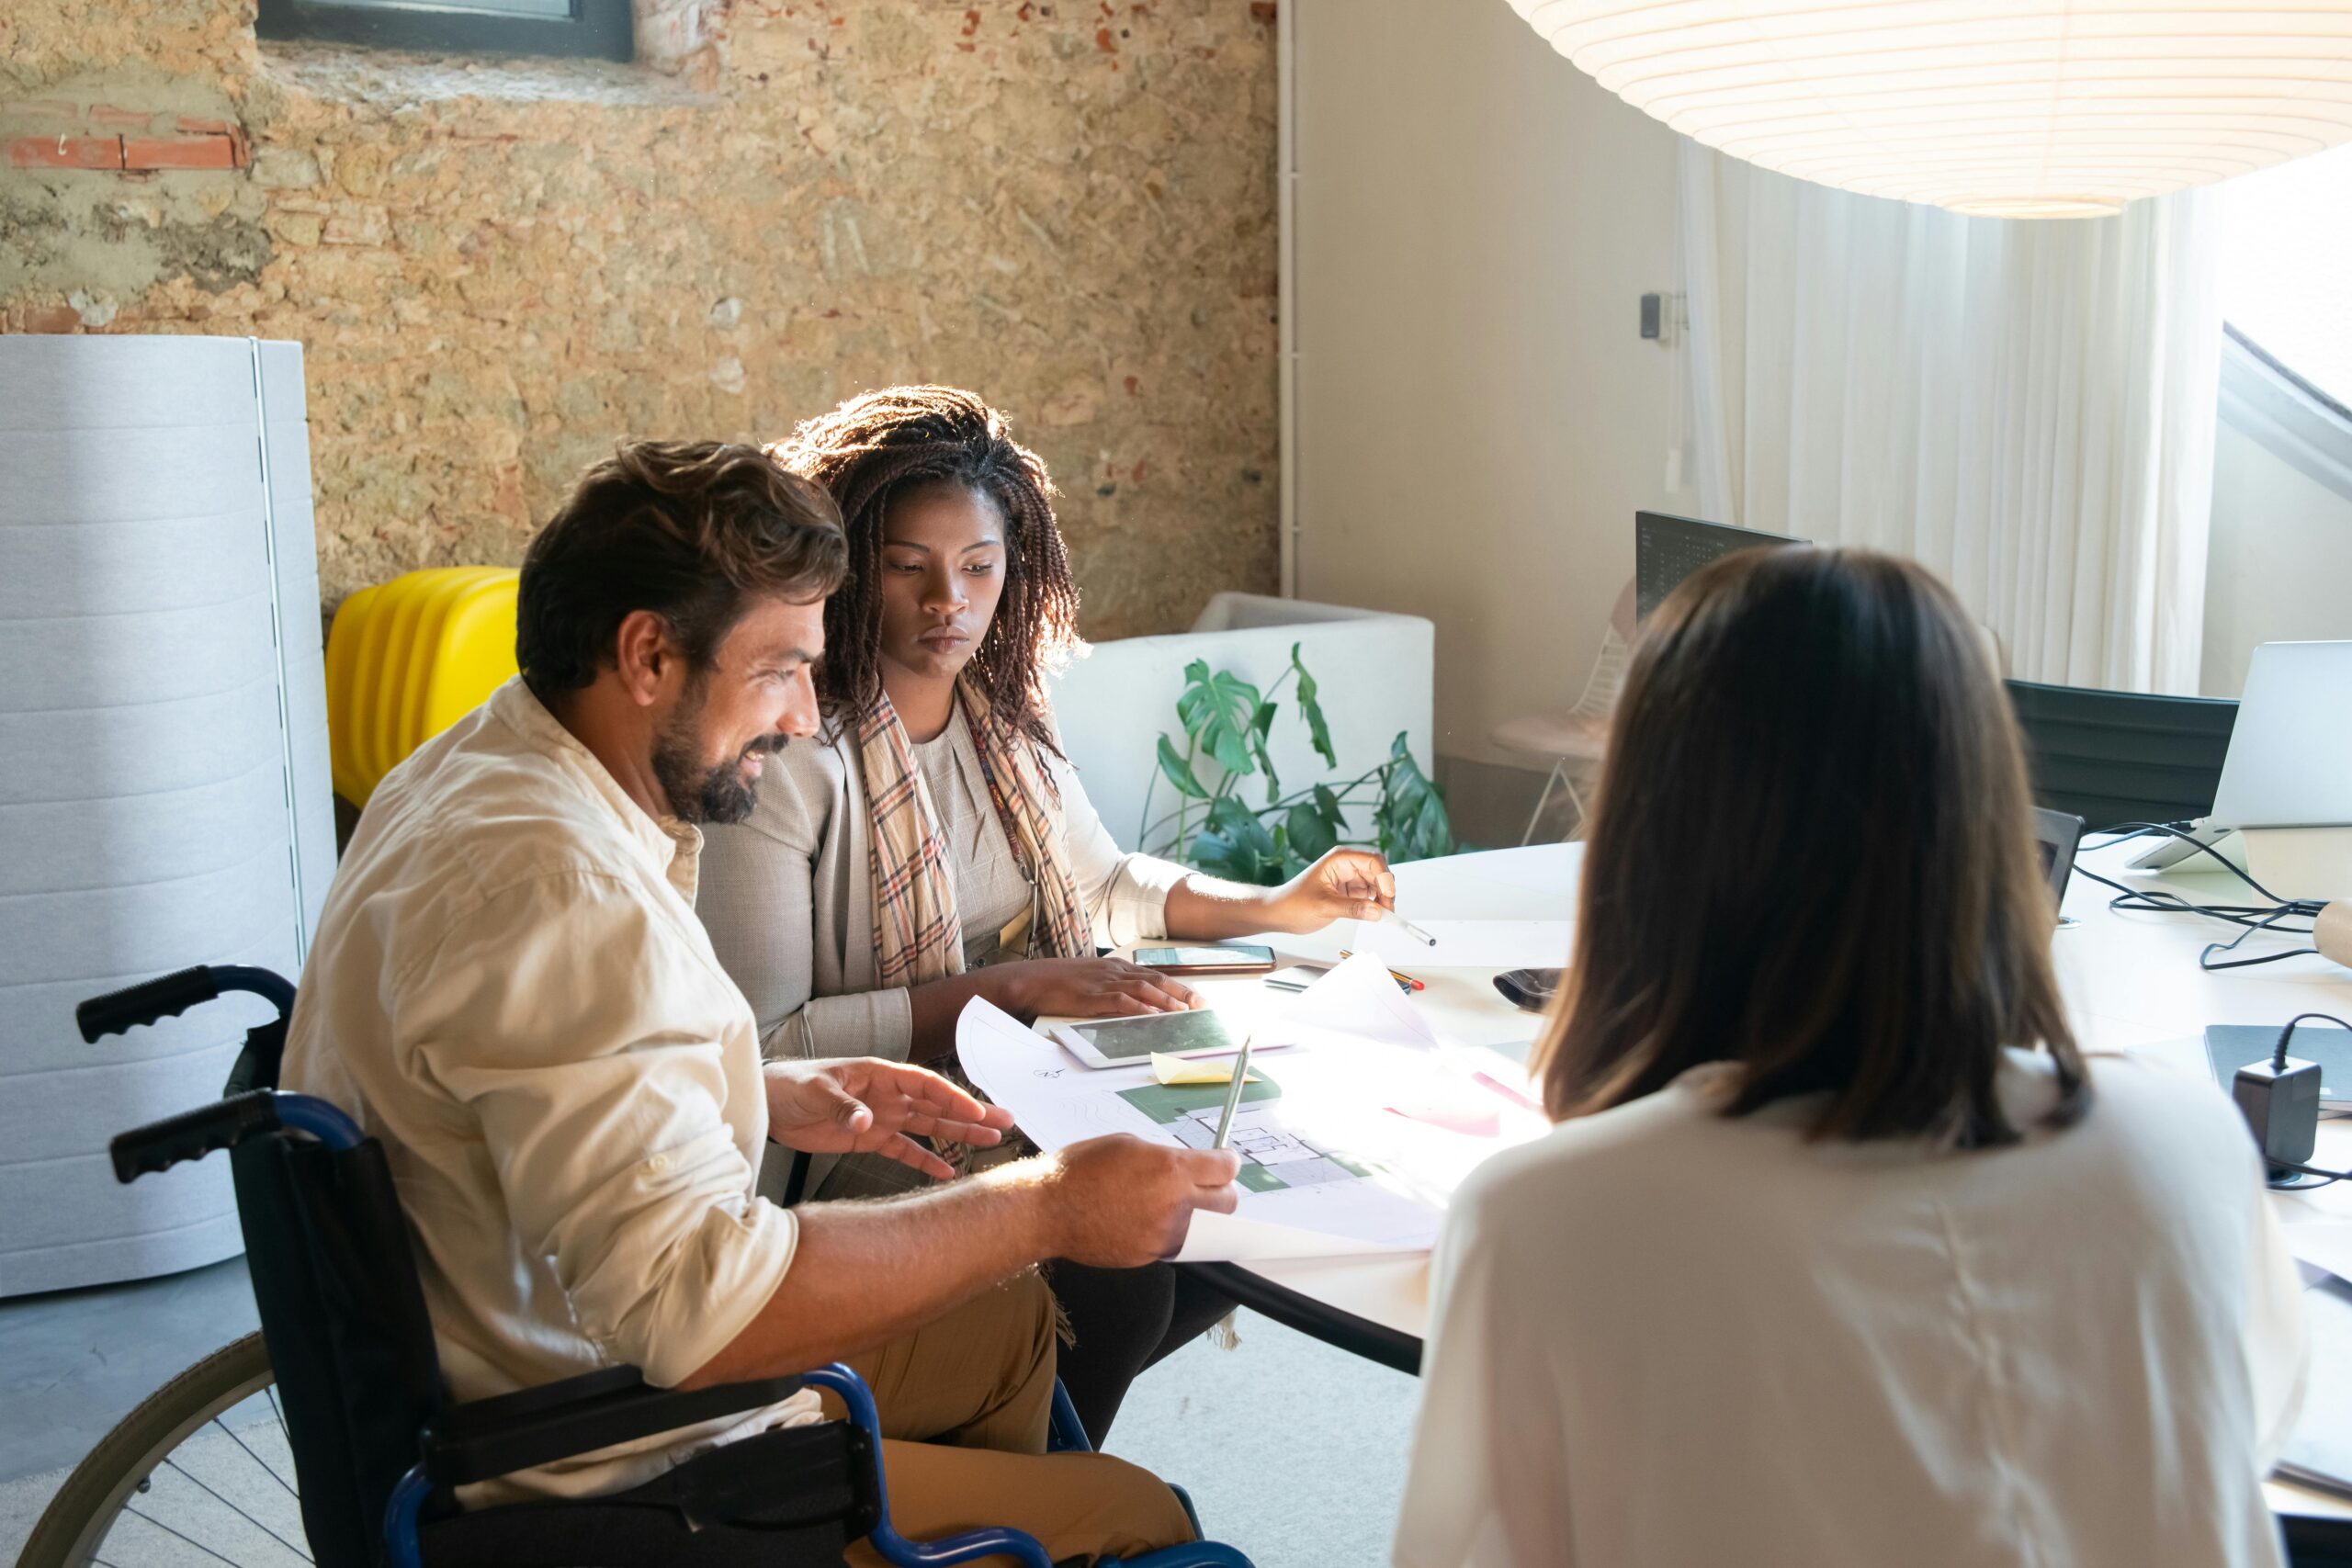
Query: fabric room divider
[164,787]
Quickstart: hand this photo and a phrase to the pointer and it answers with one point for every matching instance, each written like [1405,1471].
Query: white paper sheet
[1352,1145]
[1466,944]
[1358,1000]
[1231,1238]
[2325,1244]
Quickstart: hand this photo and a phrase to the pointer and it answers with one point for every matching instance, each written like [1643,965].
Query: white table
[2131,983]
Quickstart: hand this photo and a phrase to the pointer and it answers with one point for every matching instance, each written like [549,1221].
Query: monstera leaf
[1219,711]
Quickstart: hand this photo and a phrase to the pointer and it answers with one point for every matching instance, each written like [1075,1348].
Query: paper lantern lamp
[2007,108]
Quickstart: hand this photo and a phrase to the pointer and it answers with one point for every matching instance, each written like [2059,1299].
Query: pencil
[1233,1095]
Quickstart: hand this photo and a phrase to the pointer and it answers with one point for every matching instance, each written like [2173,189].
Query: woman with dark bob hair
[1841,1252]
[933,843]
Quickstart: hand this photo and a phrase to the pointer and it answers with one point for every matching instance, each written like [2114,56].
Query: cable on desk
[2123,831]
[2331,1179]
[2252,916]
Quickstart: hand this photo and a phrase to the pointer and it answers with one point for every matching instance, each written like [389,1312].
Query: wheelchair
[351,1451]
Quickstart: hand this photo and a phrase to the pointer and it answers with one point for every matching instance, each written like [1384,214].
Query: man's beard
[698,794]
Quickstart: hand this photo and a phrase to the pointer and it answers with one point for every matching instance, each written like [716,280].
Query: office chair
[2122,756]
[379,1449]
[1578,738]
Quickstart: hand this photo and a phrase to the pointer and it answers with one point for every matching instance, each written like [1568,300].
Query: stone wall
[498,268]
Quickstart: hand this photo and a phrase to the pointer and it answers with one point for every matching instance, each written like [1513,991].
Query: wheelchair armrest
[534,1426]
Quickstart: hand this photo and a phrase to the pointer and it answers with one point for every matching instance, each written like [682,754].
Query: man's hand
[1084,988]
[1119,1202]
[861,1105]
[1344,884]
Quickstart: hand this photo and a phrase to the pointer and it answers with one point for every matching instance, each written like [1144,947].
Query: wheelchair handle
[174,994]
[192,1134]
[225,1123]
[145,1003]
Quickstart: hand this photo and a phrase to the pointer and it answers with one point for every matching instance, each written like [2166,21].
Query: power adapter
[2279,1099]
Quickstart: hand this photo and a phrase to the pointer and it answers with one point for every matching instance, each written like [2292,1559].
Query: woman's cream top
[1660,1337]
[787,895]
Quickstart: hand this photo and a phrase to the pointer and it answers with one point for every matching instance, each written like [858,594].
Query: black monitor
[1667,549]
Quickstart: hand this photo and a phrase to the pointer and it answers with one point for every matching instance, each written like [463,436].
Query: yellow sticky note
[1179,1070]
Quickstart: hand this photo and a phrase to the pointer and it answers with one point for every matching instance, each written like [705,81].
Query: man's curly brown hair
[691,530]
[876,448]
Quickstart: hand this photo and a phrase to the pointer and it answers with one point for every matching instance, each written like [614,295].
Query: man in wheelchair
[510,990]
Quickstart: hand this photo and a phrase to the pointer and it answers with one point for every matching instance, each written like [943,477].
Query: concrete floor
[1293,1451]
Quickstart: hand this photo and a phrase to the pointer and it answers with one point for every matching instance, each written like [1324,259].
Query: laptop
[2057,835]
[2289,763]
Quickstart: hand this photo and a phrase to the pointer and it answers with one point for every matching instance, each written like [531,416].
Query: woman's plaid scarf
[918,936]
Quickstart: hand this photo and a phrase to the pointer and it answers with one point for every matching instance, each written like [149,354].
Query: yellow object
[408,659]
[1179,1070]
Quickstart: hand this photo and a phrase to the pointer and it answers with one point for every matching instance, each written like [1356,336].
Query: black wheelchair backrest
[345,1322]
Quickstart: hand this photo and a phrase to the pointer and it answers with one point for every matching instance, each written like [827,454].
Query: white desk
[2131,983]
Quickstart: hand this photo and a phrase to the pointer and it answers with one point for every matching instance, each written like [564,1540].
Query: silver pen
[1233,1094]
[1410,929]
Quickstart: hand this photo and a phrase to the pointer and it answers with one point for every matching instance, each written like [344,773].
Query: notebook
[2229,1046]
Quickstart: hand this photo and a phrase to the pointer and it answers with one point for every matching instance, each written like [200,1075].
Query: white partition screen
[164,790]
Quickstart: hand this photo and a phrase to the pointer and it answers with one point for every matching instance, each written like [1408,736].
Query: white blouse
[992,890]
[1663,1338]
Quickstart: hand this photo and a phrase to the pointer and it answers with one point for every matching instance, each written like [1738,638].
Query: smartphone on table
[1123,1041]
[1238,958]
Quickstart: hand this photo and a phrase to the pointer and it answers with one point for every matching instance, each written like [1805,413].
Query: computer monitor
[1667,549]
[2290,763]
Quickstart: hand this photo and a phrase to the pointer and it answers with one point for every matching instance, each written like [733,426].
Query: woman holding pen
[933,844]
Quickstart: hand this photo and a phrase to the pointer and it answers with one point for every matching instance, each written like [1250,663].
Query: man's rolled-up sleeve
[583,1034]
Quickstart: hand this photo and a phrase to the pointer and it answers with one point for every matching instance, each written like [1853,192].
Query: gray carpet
[1293,1451]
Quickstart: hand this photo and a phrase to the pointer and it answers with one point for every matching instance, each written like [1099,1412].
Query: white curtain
[2026,407]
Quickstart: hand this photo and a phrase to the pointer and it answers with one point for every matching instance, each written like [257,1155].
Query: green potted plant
[1226,721]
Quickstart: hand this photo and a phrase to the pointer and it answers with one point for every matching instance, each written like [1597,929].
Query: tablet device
[1122,1042]
[1236,959]
[2229,1046]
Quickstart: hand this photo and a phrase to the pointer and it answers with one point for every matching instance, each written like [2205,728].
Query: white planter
[1375,673]
[164,795]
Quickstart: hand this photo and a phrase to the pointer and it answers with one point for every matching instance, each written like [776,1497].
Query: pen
[1398,975]
[1233,1095]
[1410,929]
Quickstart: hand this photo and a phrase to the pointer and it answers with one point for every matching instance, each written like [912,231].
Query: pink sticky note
[1454,1116]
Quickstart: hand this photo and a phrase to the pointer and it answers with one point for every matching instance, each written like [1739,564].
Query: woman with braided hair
[933,844]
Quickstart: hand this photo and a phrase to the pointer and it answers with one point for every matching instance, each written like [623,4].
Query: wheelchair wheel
[199,1473]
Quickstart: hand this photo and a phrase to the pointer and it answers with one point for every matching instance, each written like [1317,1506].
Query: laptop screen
[2289,763]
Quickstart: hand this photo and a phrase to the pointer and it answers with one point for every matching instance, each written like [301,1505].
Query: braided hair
[877,447]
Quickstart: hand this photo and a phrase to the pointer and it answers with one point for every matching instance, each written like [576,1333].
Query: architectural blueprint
[1351,1140]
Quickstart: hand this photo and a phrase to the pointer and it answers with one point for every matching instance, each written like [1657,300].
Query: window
[2286,240]
[458,27]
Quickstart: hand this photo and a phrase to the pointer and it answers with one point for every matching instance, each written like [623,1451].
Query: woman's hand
[862,1105]
[1084,988]
[1345,885]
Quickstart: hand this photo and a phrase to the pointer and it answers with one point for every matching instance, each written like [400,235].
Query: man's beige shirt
[509,988]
